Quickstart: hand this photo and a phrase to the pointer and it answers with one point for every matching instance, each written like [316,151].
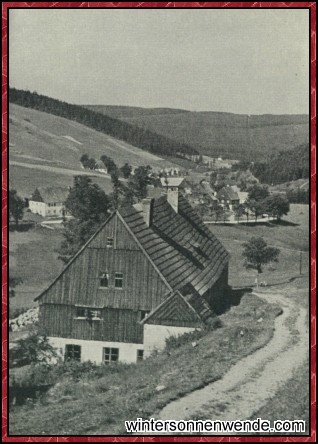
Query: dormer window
[104,280]
[110,242]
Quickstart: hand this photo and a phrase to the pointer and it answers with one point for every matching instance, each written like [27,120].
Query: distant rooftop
[171,181]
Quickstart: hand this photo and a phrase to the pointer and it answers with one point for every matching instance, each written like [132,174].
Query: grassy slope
[283,405]
[26,179]
[222,134]
[36,136]
[286,236]
[101,405]
[32,257]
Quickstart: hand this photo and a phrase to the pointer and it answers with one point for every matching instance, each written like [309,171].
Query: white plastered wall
[93,350]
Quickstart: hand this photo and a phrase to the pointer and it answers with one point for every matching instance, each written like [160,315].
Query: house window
[72,352]
[110,355]
[88,313]
[140,355]
[119,280]
[110,242]
[104,280]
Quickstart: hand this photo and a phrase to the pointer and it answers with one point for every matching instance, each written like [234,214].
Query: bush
[174,342]
[32,350]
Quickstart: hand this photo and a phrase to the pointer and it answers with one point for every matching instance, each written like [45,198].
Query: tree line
[136,136]
[284,166]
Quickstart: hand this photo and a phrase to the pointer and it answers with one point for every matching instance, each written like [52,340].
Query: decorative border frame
[311,6]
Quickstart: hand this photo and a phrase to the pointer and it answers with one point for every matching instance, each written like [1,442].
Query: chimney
[173,197]
[147,209]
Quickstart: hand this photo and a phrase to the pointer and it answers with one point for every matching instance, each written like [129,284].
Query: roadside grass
[291,402]
[100,403]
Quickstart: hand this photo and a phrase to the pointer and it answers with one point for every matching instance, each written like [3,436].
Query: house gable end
[174,311]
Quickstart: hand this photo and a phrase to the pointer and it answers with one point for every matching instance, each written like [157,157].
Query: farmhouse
[49,201]
[228,198]
[152,270]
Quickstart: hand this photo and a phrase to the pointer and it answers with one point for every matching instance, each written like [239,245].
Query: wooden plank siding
[143,288]
[79,285]
[174,311]
[115,325]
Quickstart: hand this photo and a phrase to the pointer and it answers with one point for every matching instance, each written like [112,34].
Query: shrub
[174,342]
[31,350]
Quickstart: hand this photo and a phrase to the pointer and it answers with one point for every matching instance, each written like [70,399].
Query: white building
[49,201]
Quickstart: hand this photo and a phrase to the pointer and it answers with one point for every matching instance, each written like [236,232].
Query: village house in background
[151,271]
[228,198]
[49,201]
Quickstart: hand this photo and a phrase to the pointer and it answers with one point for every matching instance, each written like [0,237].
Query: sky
[248,61]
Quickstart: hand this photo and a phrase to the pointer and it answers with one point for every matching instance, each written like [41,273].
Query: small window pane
[110,242]
[118,280]
[140,355]
[111,355]
[72,352]
[81,312]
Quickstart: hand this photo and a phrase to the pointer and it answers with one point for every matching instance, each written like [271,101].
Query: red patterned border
[312,7]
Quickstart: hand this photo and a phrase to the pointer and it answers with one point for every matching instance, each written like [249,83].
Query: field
[33,258]
[290,236]
[25,178]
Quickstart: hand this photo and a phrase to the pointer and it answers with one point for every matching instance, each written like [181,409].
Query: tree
[109,164]
[218,212]
[258,192]
[88,162]
[139,181]
[256,207]
[116,189]
[128,197]
[257,253]
[16,206]
[126,170]
[13,282]
[239,211]
[89,206]
[277,205]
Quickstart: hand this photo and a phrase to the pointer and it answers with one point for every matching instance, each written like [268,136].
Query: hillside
[131,134]
[52,146]
[284,166]
[215,134]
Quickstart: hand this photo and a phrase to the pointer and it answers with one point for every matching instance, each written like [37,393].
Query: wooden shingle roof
[50,194]
[182,248]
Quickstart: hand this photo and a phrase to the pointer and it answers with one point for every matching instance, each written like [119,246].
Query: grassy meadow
[290,235]
[34,259]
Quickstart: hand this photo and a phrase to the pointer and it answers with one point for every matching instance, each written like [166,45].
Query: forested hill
[139,137]
[284,166]
[215,134]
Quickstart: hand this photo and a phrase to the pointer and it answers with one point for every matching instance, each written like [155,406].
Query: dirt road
[250,383]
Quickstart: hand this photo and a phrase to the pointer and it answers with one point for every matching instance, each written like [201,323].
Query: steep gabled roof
[50,194]
[228,193]
[183,249]
[174,308]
